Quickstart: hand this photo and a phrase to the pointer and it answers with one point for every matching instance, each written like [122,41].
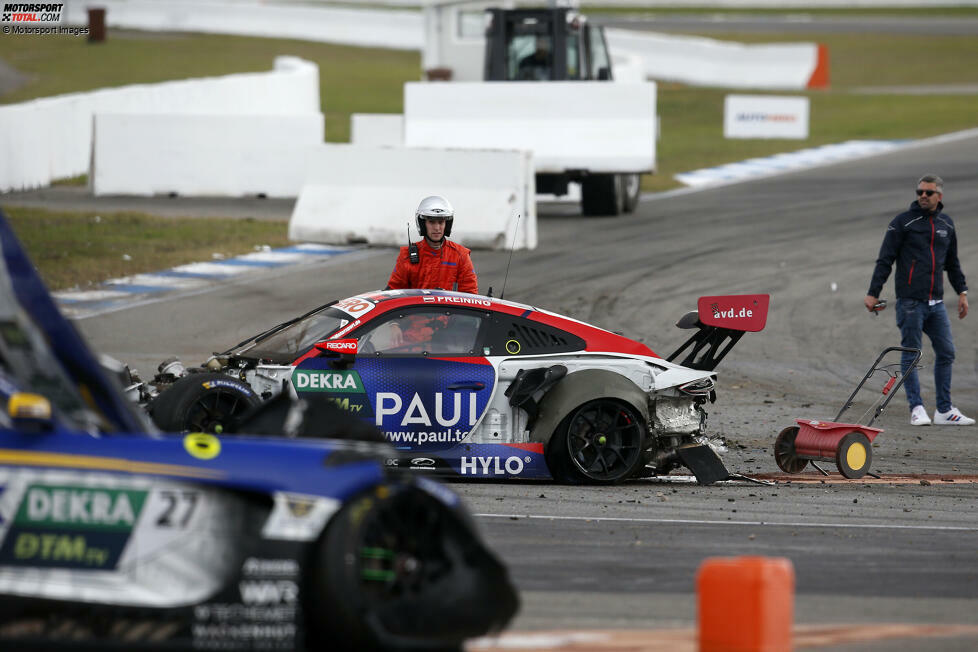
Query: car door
[417,376]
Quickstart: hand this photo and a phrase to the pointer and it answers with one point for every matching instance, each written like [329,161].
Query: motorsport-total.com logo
[27,13]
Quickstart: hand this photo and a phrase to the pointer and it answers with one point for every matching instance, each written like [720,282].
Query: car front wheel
[205,402]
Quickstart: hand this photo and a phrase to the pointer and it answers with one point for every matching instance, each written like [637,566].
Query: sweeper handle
[889,390]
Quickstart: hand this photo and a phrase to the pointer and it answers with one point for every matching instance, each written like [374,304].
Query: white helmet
[438,207]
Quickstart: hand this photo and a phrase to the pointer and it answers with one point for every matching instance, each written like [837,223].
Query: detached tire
[202,403]
[854,455]
[602,195]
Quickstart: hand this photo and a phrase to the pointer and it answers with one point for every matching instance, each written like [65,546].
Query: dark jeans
[916,317]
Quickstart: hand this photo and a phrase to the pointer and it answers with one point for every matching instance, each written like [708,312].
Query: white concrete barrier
[595,126]
[203,155]
[377,129]
[708,62]
[360,193]
[51,138]
[385,28]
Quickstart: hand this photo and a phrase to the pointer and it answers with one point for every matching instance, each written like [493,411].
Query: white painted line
[215,269]
[314,248]
[276,256]
[78,313]
[775,164]
[824,155]
[684,521]
[540,640]
[90,295]
[159,280]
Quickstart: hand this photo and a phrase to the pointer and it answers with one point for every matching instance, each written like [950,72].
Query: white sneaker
[952,417]
[918,416]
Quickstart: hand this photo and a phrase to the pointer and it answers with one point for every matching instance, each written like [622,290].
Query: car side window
[511,335]
[425,332]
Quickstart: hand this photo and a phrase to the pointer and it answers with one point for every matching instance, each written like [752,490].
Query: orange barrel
[745,604]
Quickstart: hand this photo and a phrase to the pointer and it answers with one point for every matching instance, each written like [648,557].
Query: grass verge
[82,249]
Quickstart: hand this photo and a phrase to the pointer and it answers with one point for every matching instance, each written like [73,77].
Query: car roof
[371,305]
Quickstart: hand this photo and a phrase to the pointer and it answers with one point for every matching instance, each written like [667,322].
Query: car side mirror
[344,352]
[604,73]
[30,412]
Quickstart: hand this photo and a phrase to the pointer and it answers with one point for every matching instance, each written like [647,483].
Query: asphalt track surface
[901,551]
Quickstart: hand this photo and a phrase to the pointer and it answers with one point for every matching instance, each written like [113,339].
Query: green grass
[77,248]
[76,181]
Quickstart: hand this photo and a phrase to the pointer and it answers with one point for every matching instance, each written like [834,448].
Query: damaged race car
[475,386]
[113,536]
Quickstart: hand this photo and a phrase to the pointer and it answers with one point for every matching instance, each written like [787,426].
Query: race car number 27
[179,508]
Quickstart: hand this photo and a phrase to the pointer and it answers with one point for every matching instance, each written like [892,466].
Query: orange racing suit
[447,268]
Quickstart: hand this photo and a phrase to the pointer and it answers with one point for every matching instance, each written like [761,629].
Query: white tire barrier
[203,155]
[360,193]
[51,138]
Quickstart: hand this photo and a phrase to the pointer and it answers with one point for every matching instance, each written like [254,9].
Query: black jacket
[924,246]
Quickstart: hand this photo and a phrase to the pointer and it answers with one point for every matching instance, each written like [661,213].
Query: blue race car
[114,536]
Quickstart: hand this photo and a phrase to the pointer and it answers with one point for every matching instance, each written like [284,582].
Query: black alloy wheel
[604,440]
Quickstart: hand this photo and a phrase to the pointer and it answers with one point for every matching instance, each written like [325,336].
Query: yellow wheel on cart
[854,455]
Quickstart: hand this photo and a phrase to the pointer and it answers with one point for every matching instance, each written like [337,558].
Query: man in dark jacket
[924,244]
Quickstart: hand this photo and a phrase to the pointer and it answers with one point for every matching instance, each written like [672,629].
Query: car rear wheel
[208,402]
[600,442]
[398,570]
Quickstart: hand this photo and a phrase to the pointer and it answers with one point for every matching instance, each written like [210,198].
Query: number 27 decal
[179,509]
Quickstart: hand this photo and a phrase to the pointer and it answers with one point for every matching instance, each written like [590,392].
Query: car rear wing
[721,322]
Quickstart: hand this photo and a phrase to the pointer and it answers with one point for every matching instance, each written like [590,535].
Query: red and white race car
[480,387]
